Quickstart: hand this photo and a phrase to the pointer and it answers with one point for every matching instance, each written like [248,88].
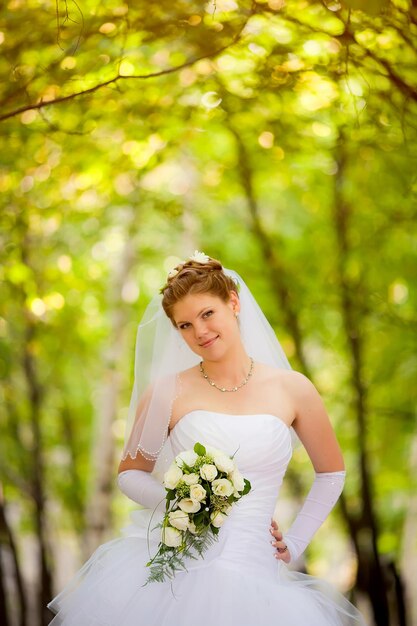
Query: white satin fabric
[239,582]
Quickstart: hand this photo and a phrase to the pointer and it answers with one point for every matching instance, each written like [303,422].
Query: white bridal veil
[161,354]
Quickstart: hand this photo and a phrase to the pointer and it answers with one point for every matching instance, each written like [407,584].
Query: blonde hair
[194,277]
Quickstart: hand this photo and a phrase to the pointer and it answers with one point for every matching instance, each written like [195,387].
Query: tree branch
[171,70]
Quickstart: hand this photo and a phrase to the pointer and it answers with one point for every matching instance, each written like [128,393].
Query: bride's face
[207,324]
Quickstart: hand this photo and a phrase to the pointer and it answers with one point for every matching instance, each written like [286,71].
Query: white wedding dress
[239,582]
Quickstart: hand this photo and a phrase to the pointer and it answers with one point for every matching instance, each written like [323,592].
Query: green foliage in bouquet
[202,485]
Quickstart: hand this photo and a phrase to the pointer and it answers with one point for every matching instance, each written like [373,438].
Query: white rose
[212,451]
[223,462]
[189,506]
[192,528]
[172,476]
[190,479]
[222,487]
[217,519]
[171,537]
[188,456]
[208,471]
[237,480]
[197,492]
[179,520]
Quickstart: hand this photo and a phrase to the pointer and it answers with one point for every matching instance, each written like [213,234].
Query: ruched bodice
[261,445]
[255,435]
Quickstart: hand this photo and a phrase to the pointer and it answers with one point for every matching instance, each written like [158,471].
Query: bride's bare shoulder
[291,379]
[189,375]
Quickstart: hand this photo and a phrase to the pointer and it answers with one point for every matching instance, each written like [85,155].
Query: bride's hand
[282,552]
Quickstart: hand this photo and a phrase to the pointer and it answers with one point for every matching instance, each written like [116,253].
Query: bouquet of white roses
[202,484]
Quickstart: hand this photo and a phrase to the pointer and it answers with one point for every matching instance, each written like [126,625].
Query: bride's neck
[231,369]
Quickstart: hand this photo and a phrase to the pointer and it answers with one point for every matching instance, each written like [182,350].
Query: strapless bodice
[261,445]
[262,442]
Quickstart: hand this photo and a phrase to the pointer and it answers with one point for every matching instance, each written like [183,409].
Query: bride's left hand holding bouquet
[202,485]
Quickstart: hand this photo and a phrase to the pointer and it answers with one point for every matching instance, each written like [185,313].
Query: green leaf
[199,449]
[198,518]
[247,487]
[171,495]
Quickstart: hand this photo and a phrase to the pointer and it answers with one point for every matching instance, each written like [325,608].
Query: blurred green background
[278,136]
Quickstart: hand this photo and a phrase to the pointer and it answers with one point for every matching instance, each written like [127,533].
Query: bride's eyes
[186,325]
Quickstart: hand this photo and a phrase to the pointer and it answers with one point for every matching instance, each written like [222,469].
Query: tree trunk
[363,528]
[278,273]
[98,510]
[37,478]
[409,550]
[4,616]
[77,501]
[36,475]
[7,541]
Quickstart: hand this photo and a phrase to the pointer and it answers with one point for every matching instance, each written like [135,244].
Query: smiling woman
[219,383]
[209,318]
[206,316]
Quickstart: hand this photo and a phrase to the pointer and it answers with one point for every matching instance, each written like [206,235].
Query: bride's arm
[136,481]
[312,425]
[142,487]
[135,477]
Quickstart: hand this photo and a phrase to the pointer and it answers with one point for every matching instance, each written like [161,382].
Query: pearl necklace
[213,384]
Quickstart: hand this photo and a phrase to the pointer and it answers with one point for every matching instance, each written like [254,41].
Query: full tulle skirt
[223,588]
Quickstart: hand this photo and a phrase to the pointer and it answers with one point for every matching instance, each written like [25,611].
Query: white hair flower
[199,257]
[172,273]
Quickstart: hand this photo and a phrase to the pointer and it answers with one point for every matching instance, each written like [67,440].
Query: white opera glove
[143,488]
[321,498]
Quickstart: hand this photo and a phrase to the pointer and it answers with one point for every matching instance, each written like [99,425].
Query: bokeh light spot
[210,100]
[107,27]
[126,68]
[266,139]
[38,307]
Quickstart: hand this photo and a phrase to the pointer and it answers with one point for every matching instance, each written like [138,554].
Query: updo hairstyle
[194,277]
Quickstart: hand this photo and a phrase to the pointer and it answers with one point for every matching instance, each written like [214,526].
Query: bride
[210,369]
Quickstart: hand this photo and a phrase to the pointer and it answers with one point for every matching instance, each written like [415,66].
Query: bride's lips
[208,343]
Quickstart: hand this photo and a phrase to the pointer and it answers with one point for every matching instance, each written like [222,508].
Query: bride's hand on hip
[282,553]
